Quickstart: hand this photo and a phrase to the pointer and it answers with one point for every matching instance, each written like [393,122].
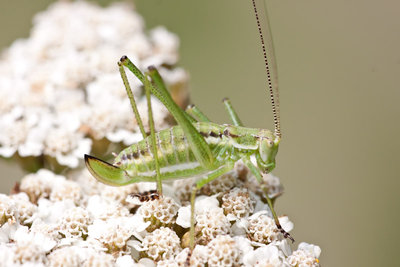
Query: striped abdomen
[174,153]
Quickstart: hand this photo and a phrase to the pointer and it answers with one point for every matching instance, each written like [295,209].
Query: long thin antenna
[272,78]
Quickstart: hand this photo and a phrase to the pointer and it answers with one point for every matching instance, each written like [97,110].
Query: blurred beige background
[339,68]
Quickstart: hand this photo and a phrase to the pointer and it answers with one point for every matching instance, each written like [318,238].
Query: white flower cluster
[224,183]
[60,89]
[55,109]
[161,212]
[211,223]
[45,184]
[237,203]
[75,222]
[224,251]
[84,226]
[305,256]
[162,243]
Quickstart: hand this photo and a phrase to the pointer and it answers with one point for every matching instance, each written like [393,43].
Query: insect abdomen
[175,156]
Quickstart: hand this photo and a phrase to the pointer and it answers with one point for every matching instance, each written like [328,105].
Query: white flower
[145,262]
[66,190]
[202,204]
[183,218]
[173,76]
[67,147]
[97,258]
[74,223]
[50,212]
[113,233]
[66,256]
[89,185]
[243,244]
[211,223]
[262,229]
[160,211]
[263,256]
[6,254]
[66,72]
[198,257]
[7,231]
[306,255]
[104,208]
[313,250]
[223,251]
[15,133]
[162,244]
[165,47]
[25,210]
[237,203]
[42,242]
[160,113]
[39,185]
[125,261]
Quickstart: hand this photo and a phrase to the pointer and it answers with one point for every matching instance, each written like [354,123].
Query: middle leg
[198,185]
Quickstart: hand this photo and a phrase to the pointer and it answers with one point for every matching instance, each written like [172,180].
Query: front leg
[258,175]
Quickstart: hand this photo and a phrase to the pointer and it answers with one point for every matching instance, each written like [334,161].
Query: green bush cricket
[195,146]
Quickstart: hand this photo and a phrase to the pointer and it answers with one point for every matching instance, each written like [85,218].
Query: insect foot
[263,229]
[146,196]
[285,234]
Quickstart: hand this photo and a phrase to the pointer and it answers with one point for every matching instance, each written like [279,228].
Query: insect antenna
[269,60]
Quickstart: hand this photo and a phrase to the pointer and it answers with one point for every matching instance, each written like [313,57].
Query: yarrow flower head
[7,210]
[261,228]
[210,224]
[264,256]
[237,203]
[223,251]
[160,212]
[97,227]
[73,97]
[45,184]
[25,210]
[77,103]
[75,222]
[67,256]
[163,243]
[223,184]
[305,256]
[113,233]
